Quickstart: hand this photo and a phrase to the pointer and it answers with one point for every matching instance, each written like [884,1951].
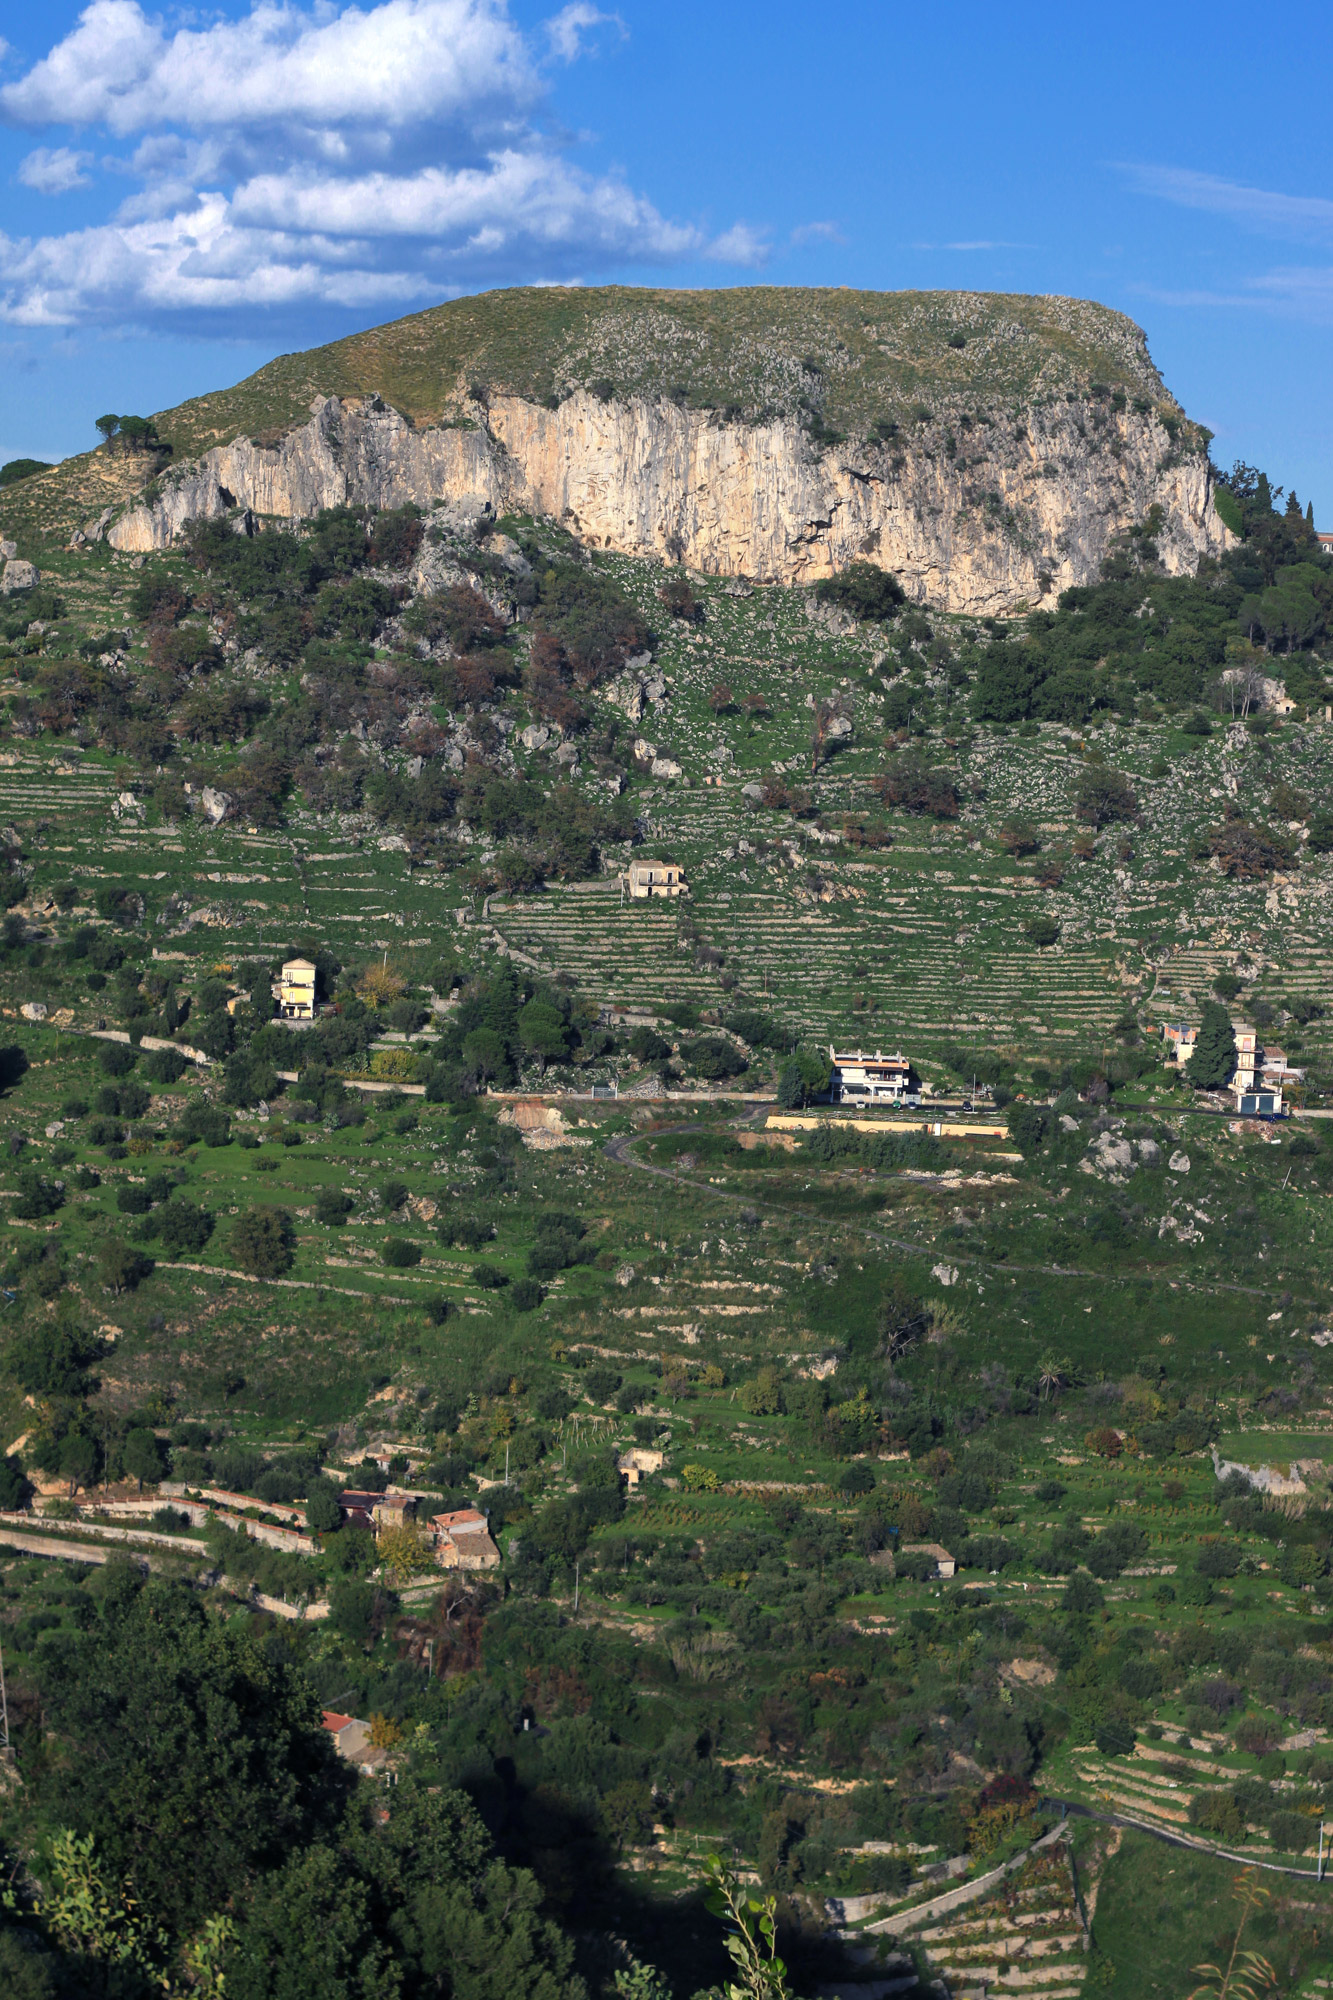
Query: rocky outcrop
[999,516]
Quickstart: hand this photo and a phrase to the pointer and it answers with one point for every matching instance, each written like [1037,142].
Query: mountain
[987,448]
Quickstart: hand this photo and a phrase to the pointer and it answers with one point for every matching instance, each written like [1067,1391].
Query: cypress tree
[1214,1058]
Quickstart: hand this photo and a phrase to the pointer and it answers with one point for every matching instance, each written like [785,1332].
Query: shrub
[1041,930]
[398,1253]
[263,1242]
[332,1207]
[116,1058]
[1115,1738]
[182,1226]
[37,1197]
[1218,1559]
[1292,1832]
[865,590]
[1082,1594]
[133,1200]
[913,787]
[166,1066]
[1102,795]
[525,1295]
[120,1267]
[488,1279]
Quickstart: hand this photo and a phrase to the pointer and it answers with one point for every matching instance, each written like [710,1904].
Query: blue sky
[188,193]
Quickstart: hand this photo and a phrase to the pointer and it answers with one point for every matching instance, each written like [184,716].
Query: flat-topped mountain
[985,447]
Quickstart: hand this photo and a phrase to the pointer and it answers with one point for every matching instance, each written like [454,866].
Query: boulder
[535,737]
[19,575]
[216,804]
[1149,1152]
[666,767]
[1179,1163]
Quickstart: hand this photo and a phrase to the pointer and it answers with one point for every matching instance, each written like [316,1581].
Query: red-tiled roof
[466,1518]
[335,1723]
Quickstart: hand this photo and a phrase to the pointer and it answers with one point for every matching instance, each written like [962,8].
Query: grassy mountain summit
[857,357]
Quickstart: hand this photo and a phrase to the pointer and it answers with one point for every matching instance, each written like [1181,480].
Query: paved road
[1077,1810]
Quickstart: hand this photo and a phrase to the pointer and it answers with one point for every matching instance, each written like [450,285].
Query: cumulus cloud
[343,155]
[54,169]
[392,66]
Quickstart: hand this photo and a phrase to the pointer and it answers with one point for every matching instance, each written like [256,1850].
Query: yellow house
[294,990]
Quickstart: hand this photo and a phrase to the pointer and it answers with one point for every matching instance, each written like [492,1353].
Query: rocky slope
[986,448]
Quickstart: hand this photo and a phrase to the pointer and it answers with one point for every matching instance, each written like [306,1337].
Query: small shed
[945,1566]
[632,1465]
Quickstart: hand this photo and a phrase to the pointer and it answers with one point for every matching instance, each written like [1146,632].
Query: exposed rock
[644,750]
[1149,1152]
[626,694]
[666,767]
[1068,1124]
[1179,1163]
[19,575]
[8,550]
[216,804]
[568,753]
[535,737]
[648,478]
[754,792]
[33,1010]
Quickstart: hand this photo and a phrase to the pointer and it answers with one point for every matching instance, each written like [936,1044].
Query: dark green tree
[143,1457]
[1213,1061]
[263,1241]
[176,1734]
[791,1086]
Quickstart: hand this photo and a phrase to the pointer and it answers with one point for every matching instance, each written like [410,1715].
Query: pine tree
[1214,1058]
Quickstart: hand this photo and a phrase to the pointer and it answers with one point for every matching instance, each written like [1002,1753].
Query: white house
[865,1079]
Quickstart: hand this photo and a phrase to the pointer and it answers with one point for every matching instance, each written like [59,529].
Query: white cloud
[1285,214]
[516,195]
[392,65]
[566,30]
[816,232]
[54,170]
[343,154]
[739,245]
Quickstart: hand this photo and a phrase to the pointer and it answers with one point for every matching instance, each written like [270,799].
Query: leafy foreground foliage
[173,1735]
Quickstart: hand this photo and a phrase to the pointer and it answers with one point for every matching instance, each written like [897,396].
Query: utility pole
[5,1751]
[576,1590]
[506,1461]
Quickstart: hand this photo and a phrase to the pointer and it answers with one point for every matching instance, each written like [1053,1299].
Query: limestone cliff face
[982,521]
